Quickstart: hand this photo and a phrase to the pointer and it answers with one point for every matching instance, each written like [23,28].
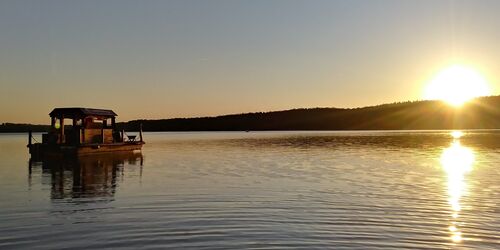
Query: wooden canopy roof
[79,113]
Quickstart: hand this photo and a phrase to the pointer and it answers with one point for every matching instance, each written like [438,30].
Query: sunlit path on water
[456,161]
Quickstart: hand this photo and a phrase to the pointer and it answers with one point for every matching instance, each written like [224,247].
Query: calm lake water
[259,190]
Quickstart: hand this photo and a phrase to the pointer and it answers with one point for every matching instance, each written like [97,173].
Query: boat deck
[41,151]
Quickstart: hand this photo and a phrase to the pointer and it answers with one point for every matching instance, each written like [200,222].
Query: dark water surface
[259,190]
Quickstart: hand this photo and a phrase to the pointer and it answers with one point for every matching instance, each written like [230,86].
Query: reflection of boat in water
[92,131]
[91,176]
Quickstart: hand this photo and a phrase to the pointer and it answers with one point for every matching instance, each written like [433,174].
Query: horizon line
[273,111]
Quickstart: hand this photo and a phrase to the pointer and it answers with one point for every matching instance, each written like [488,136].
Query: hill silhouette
[480,113]
[22,127]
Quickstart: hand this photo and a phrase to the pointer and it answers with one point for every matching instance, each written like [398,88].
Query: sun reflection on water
[456,134]
[456,161]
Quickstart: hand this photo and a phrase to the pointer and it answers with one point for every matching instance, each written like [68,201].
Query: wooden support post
[78,133]
[83,135]
[83,130]
[63,140]
[123,135]
[113,123]
[52,122]
[102,133]
[75,132]
[140,132]
[30,136]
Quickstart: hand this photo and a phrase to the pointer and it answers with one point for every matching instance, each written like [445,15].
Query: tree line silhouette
[480,113]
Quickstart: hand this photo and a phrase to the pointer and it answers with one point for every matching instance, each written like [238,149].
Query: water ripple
[281,190]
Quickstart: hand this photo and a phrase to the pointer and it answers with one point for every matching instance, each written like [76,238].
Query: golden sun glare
[456,85]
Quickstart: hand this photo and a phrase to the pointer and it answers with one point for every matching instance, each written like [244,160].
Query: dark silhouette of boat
[92,131]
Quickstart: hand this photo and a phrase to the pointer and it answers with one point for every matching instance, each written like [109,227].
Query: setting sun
[456,85]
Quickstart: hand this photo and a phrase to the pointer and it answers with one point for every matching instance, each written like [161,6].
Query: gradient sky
[164,59]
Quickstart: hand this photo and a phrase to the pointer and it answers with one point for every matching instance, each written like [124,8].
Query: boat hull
[41,151]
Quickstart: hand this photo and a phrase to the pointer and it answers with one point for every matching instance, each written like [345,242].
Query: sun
[456,85]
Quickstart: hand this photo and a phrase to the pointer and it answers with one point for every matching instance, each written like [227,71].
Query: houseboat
[92,131]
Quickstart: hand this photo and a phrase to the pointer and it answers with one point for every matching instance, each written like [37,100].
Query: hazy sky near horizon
[163,59]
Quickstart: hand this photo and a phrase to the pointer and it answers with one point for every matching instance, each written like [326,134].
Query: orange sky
[183,59]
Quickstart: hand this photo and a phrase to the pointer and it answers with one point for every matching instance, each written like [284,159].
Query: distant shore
[480,113]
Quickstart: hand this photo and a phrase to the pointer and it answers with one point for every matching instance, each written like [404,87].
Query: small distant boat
[92,131]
